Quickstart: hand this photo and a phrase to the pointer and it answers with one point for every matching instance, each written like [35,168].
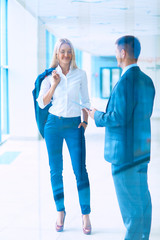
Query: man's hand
[91,112]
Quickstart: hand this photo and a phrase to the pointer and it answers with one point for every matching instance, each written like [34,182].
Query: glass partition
[4,105]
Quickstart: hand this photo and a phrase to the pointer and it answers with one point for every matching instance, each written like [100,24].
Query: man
[127,138]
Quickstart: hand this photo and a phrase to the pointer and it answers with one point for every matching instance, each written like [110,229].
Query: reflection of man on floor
[127,138]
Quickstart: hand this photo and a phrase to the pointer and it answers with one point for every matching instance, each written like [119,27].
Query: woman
[63,89]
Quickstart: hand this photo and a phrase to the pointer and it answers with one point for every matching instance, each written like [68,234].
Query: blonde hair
[54,62]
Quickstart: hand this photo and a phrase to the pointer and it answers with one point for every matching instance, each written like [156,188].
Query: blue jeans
[56,130]
[134,201]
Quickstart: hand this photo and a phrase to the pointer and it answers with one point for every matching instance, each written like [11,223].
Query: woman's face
[65,54]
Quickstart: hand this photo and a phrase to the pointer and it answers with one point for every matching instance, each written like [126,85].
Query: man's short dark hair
[130,44]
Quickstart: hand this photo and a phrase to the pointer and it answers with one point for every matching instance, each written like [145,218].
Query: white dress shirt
[128,67]
[72,88]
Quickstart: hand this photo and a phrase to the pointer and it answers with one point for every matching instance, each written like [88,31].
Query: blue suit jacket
[127,120]
[41,114]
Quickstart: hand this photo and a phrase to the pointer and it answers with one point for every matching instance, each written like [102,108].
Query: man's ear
[123,53]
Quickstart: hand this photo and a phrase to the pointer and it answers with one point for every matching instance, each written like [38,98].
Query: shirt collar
[59,69]
[128,67]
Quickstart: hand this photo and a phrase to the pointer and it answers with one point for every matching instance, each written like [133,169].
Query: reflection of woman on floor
[66,85]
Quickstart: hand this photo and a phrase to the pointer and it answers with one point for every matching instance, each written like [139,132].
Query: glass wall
[25,189]
[4,110]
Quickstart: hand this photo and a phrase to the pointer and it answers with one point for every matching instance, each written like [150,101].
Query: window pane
[4,102]
[115,76]
[78,55]
[50,42]
[4,119]
[4,60]
[105,86]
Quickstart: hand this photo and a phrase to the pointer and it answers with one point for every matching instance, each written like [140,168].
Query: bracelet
[85,122]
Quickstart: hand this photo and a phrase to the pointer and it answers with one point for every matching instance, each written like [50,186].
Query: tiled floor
[27,210]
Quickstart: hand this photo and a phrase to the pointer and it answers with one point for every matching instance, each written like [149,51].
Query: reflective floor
[27,210]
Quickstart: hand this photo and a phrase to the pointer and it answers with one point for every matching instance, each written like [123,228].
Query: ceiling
[94,25]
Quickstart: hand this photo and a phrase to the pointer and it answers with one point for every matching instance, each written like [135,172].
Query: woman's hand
[55,81]
[56,78]
[82,124]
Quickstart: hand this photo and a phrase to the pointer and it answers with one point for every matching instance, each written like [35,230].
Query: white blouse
[72,88]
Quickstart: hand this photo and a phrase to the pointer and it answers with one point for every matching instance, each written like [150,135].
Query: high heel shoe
[59,228]
[86,230]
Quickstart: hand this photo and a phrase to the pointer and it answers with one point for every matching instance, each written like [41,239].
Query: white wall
[22,61]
